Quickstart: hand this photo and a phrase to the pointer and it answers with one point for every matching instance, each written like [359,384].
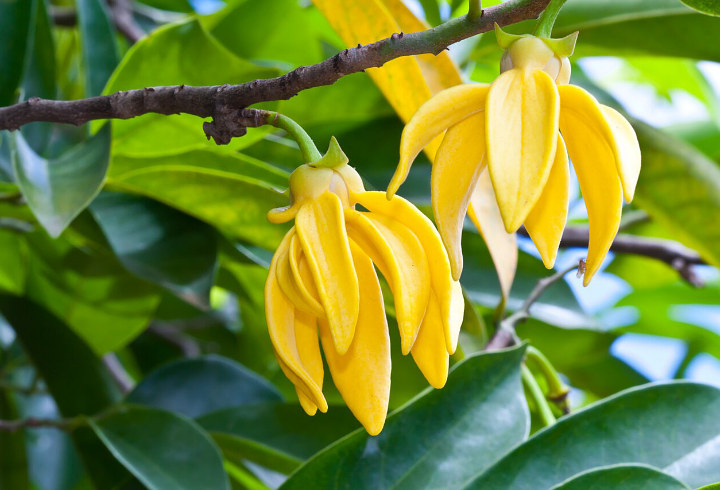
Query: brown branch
[222,102]
[672,253]
[33,423]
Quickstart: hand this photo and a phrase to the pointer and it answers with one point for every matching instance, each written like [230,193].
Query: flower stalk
[557,390]
[546,21]
[536,395]
[307,147]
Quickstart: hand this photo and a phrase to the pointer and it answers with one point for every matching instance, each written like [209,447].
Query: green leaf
[181,53]
[617,27]
[13,461]
[58,189]
[680,188]
[281,428]
[637,477]
[74,375]
[441,439]
[91,292]
[670,426]
[172,5]
[235,201]
[196,387]
[709,7]
[13,262]
[100,52]
[14,25]
[162,449]
[160,244]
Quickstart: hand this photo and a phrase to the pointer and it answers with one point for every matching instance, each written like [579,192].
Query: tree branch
[222,102]
[30,423]
[672,253]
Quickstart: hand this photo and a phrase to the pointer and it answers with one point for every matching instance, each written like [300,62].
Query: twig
[118,373]
[120,11]
[186,345]
[505,334]
[222,102]
[16,225]
[33,423]
[672,253]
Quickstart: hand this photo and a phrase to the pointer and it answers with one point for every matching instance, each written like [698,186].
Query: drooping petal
[400,257]
[420,225]
[484,213]
[444,109]
[308,346]
[290,287]
[307,401]
[302,279]
[320,226]
[457,311]
[546,221]
[362,374]
[589,141]
[627,150]
[522,127]
[457,166]
[429,350]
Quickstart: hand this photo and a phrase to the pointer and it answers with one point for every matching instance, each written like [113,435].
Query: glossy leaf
[708,7]
[140,437]
[13,262]
[14,25]
[196,387]
[670,426]
[266,432]
[100,52]
[160,244]
[637,477]
[58,189]
[426,445]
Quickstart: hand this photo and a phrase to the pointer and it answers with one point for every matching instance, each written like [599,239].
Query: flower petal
[546,221]
[302,280]
[457,311]
[400,257]
[484,213]
[429,350]
[420,225]
[589,141]
[320,226]
[627,150]
[362,374]
[455,172]
[444,109]
[290,287]
[522,128]
[306,403]
[308,346]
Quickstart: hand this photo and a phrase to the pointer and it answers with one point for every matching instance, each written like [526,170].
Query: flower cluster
[522,127]
[322,277]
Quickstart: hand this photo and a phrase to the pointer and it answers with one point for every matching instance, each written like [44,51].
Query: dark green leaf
[671,426]
[100,52]
[74,375]
[173,5]
[195,387]
[162,449]
[160,244]
[58,189]
[14,26]
[637,477]
[440,440]
[13,462]
[282,427]
[709,7]
[13,262]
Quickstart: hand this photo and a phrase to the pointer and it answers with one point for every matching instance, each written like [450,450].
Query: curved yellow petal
[403,211]
[362,374]
[308,347]
[455,172]
[457,311]
[444,109]
[400,257]
[292,289]
[306,403]
[484,213]
[429,350]
[589,141]
[627,150]
[302,281]
[320,226]
[522,127]
[546,221]
[307,400]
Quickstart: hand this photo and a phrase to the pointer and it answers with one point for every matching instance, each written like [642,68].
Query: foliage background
[158,279]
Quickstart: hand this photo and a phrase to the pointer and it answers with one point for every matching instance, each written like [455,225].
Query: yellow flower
[522,127]
[322,275]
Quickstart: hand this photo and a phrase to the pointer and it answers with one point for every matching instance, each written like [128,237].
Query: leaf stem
[546,21]
[475,9]
[557,390]
[308,149]
[536,394]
